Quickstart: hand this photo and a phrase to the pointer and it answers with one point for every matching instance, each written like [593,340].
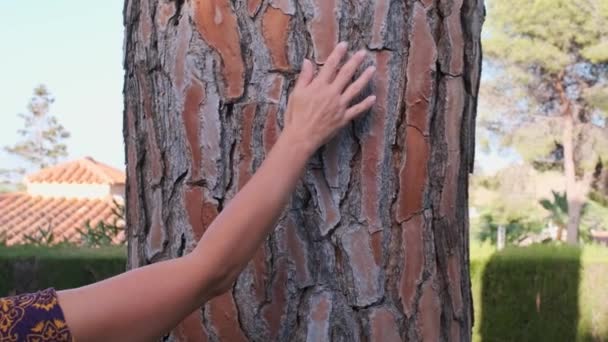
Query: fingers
[359,108]
[355,88]
[306,74]
[328,72]
[348,70]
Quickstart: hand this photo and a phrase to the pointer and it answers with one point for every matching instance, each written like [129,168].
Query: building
[61,199]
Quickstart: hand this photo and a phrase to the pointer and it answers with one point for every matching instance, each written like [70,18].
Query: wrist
[297,143]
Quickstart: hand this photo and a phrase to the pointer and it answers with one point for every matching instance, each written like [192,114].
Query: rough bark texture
[374,244]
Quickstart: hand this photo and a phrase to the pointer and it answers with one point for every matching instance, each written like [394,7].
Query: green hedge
[29,268]
[570,286]
[541,293]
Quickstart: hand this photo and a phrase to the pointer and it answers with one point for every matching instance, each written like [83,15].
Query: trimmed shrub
[31,268]
[541,293]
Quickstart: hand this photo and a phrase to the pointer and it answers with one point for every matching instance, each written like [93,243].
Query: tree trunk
[570,175]
[374,244]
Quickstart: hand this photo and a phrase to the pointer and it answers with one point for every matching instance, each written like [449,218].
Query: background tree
[553,58]
[374,245]
[43,137]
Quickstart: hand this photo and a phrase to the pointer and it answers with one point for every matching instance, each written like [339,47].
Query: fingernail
[361,53]
[343,44]
[373,98]
[372,69]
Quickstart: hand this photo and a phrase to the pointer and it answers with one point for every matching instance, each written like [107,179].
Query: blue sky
[75,48]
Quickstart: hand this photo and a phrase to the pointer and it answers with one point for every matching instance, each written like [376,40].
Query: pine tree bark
[374,244]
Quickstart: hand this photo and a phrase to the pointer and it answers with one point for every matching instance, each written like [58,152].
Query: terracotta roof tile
[22,214]
[81,171]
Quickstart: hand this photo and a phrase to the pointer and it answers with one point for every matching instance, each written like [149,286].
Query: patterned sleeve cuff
[33,317]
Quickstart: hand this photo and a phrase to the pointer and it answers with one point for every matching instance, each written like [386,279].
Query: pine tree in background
[42,138]
[552,58]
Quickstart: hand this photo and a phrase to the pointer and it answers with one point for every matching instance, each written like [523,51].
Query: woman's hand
[319,106]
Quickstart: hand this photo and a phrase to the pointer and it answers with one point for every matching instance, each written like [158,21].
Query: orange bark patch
[165,11]
[377,247]
[287,6]
[224,318]
[183,39]
[148,113]
[253,6]
[420,69]
[323,28]
[454,40]
[455,331]
[274,311]
[201,212]
[156,236]
[372,148]
[318,317]
[276,88]
[153,153]
[194,199]
[413,175]
[413,263]
[453,119]
[454,284]
[380,14]
[132,183]
[245,148]
[383,326]
[365,271]
[146,23]
[218,26]
[271,133]
[275,29]
[427,3]
[191,329]
[209,213]
[332,164]
[298,254]
[195,95]
[260,274]
[430,313]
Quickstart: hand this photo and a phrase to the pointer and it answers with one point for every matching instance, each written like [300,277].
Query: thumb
[306,74]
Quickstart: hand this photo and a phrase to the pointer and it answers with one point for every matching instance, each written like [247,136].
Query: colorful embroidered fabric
[33,317]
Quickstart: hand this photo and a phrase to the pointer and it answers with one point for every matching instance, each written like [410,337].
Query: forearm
[233,238]
[139,305]
[146,303]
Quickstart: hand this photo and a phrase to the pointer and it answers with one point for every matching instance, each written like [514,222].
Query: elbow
[220,280]
[221,284]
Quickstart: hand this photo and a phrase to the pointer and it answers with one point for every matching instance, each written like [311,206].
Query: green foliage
[597,96]
[515,227]
[42,137]
[30,268]
[547,34]
[551,63]
[42,237]
[104,234]
[538,48]
[557,208]
[598,197]
[101,235]
[594,218]
[540,293]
